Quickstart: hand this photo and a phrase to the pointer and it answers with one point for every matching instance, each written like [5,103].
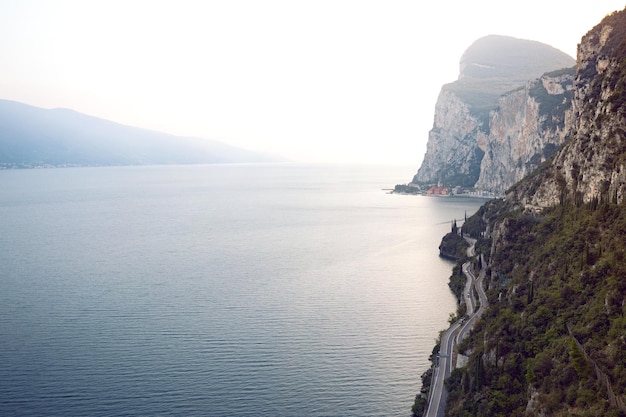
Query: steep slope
[528,126]
[553,341]
[453,151]
[490,67]
[32,136]
[494,65]
[592,165]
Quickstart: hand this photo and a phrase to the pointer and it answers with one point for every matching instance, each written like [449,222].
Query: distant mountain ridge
[31,136]
[495,64]
[467,109]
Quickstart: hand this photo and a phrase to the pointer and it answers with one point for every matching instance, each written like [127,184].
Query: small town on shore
[441,190]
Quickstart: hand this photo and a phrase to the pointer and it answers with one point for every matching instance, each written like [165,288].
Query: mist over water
[218,290]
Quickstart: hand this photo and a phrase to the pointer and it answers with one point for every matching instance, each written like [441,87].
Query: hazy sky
[315,81]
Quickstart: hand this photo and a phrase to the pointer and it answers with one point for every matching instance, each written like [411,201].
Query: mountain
[470,108]
[529,124]
[553,339]
[32,136]
[591,165]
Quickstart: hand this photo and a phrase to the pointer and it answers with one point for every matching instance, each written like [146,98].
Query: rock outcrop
[452,155]
[552,342]
[465,110]
[528,126]
[592,164]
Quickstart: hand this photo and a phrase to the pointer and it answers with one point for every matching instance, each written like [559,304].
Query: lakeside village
[440,190]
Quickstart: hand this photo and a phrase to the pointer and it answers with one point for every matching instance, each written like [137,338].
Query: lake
[219,290]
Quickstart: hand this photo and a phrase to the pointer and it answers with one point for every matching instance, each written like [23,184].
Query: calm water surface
[244,290]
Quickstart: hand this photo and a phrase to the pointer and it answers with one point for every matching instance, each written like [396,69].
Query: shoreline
[464,195]
[433,391]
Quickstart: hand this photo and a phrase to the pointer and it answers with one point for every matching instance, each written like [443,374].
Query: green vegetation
[553,340]
[408,189]
[453,246]
[560,280]
[457,284]
[421,399]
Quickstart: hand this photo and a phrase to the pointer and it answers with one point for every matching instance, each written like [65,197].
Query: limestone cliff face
[528,126]
[566,264]
[452,153]
[592,164]
[485,136]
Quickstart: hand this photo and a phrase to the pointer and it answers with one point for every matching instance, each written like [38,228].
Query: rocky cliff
[592,164]
[553,340]
[527,127]
[467,108]
[453,154]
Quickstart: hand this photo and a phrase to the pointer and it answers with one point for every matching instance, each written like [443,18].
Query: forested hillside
[556,279]
[553,341]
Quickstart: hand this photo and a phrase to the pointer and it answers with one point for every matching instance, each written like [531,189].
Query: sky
[341,81]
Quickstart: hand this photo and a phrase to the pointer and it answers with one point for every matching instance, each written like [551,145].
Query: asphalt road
[455,334]
[484,303]
[436,401]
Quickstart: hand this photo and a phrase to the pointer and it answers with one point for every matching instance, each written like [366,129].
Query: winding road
[455,334]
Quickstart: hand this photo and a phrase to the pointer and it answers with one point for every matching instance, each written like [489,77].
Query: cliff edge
[553,341]
[474,115]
